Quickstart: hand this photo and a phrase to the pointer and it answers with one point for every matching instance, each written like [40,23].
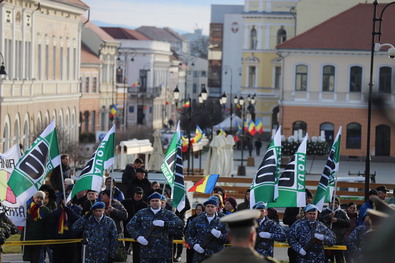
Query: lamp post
[374,47]
[202,98]
[228,68]
[127,54]
[241,171]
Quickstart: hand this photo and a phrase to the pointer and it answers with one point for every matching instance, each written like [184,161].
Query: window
[328,78]
[54,63]
[353,137]
[68,64]
[194,88]
[61,63]
[281,35]
[299,125]
[203,73]
[87,84]
[251,76]
[328,129]
[253,38]
[39,62]
[355,79]
[94,84]
[301,78]
[47,62]
[277,77]
[385,80]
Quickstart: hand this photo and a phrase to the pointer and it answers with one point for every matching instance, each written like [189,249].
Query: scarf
[34,211]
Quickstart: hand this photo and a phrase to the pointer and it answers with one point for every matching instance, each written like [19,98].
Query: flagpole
[62,177]
[111,186]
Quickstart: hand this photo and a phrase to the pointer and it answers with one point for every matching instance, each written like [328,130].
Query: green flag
[91,176]
[40,159]
[291,185]
[327,182]
[264,187]
[168,164]
[178,193]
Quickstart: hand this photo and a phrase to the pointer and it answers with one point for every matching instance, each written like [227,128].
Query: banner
[91,176]
[264,186]
[9,204]
[206,185]
[32,168]
[327,182]
[291,184]
[168,164]
[178,193]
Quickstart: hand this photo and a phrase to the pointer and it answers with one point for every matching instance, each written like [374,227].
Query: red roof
[124,33]
[349,30]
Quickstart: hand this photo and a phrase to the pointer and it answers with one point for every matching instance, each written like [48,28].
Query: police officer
[242,226]
[307,236]
[268,231]
[206,234]
[153,227]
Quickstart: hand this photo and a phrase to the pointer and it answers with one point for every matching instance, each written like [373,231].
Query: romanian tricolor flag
[259,125]
[198,135]
[186,105]
[222,132]
[251,128]
[184,144]
[245,126]
[135,84]
[113,111]
[239,128]
[62,224]
[206,185]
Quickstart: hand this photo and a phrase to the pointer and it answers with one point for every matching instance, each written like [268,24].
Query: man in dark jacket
[129,174]
[56,175]
[337,220]
[132,206]
[142,182]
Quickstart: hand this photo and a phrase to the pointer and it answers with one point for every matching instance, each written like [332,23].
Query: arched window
[253,38]
[251,76]
[355,79]
[93,121]
[299,125]
[353,136]
[17,134]
[6,137]
[385,80]
[86,121]
[26,135]
[328,78]
[281,35]
[301,78]
[328,129]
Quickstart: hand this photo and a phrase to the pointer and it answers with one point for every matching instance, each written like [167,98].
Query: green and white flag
[169,163]
[264,186]
[92,175]
[40,159]
[178,193]
[327,182]
[291,185]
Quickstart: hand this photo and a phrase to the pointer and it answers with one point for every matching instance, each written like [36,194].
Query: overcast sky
[181,15]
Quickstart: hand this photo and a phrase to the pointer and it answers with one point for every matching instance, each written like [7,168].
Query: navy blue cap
[259,205]
[310,208]
[98,205]
[212,200]
[156,196]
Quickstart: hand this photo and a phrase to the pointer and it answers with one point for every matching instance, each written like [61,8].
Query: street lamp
[241,171]
[374,47]
[227,68]
[202,98]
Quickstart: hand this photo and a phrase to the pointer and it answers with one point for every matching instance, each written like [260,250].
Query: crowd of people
[144,213]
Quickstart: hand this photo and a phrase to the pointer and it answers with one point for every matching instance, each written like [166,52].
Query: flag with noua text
[91,176]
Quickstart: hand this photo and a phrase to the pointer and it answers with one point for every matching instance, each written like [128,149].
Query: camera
[391,52]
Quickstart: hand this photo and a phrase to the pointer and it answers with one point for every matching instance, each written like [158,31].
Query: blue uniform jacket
[265,246]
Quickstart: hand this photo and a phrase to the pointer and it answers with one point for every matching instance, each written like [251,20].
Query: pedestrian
[177,248]
[307,236]
[230,205]
[382,192]
[37,221]
[246,203]
[258,146]
[267,231]
[56,175]
[206,234]
[7,228]
[129,174]
[250,147]
[242,234]
[91,198]
[116,192]
[132,206]
[140,181]
[101,235]
[153,228]
[367,205]
[199,208]
[352,213]
[61,222]
[337,220]
[291,215]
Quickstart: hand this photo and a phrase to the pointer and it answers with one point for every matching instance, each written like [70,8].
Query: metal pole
[189,133]
[367,159]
